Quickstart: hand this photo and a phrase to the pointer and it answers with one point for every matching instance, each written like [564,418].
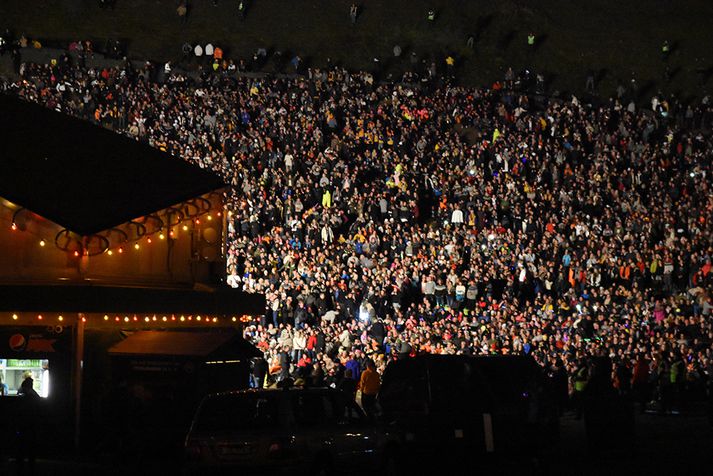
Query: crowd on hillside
[389,220]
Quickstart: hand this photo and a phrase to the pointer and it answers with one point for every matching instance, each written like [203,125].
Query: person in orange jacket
[369,384]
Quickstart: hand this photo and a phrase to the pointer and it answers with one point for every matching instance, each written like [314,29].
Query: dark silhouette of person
[284,359]
[607,416]
[26,420]
[348,385]
[259,371]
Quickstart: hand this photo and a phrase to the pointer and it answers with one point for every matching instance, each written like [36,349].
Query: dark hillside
[612,38]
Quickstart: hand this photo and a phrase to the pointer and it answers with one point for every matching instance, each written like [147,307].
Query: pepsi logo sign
[18,342]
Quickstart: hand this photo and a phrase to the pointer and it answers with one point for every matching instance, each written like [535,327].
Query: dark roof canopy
[120,300]
[224,345]
[84,177]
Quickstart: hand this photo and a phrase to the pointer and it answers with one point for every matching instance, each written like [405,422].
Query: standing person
[623,378]
[3,388]
[182,11]
[284,362]
[665,50]
[677,377]
[530,46]
[589,85]
[369,384]
[531,40]
[354,366]
[296,62]
[259,372]
[640,381]
[450,66]
[241,9]
[353,13]
[348,385]
[558,381]
[431,16]
[580,380]
[25,427]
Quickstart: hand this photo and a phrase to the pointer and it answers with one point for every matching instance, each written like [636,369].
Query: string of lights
[162,234]
[133,319]
[189,214]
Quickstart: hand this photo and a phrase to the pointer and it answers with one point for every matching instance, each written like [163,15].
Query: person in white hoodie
[299,342]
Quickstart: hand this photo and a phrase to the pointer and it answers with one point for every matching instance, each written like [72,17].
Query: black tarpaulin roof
[84,177]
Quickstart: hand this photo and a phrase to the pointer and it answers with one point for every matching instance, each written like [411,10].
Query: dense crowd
[389,220]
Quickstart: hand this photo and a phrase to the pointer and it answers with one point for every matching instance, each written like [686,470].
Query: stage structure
[101,234]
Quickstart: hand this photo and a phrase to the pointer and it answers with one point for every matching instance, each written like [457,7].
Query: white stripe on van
[488,430]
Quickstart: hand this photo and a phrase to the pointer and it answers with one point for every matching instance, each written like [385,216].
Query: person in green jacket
[665,50]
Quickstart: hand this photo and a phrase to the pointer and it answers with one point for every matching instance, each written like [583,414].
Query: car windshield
[238,412]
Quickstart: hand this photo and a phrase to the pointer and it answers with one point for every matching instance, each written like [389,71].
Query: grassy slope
[613,37]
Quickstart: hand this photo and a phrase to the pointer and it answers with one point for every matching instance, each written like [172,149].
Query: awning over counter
[123,300]
[223,345]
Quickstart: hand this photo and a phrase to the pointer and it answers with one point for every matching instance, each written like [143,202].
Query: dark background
[611,37]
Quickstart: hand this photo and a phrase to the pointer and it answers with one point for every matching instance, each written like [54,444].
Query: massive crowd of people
[389,220]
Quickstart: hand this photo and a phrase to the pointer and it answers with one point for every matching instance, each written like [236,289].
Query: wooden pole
[78,365]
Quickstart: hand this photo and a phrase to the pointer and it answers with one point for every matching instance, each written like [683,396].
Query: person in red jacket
[311,344]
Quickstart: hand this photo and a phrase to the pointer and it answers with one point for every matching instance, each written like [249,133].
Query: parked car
[451,407]
[300,431]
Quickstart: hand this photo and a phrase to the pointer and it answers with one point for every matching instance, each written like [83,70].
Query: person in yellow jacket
[369,385]
[327,199]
